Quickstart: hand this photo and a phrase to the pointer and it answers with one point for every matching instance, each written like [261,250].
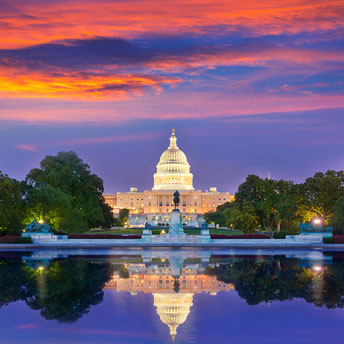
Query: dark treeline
[274,205]
[62,192]
[64,291]
[278,278]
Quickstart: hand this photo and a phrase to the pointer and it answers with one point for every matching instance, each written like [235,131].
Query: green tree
[272,201]
[123,213]
[117,222]
[11,205]
[215,217]
[337,219]
[250,191]
[70,175]
[321,192]
[48,204]
[277,202]
[108,215]
[123,216]
[244,219]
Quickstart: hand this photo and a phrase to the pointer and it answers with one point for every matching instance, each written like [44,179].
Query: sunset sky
[250,86]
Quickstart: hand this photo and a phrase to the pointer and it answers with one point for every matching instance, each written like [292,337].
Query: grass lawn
[138,231]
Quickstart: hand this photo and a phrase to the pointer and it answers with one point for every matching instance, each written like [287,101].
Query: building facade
[154,206]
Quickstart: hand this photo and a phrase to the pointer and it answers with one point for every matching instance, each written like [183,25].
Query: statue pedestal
[176,226]
[40,237]
[147,234]
[205,235]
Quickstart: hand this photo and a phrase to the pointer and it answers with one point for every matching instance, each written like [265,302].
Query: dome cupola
[173,169]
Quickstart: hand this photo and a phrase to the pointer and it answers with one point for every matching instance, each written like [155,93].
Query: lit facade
[173,173]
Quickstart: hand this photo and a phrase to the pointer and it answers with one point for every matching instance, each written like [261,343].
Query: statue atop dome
[173,140]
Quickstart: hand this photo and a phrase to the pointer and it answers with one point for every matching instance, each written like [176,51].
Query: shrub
[244,236]
[102,236]
[282,234]
[57,232]
[14,239]
[328,240]
[24,240]
[279,235]
[338,239]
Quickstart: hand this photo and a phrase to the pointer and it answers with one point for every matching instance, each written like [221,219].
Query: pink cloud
[34,147]
[27,326]
[28,147]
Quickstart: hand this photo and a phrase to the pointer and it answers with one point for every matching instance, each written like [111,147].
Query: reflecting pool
[171,295]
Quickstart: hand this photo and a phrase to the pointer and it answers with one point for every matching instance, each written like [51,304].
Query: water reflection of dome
[173,169]
[173,309]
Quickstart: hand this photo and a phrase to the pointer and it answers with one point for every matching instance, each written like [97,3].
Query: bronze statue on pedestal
[176,200]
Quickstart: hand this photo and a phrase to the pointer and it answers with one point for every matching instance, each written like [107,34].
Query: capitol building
[154,206]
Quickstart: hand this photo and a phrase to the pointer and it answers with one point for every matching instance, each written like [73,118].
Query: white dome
[173,169]
[172,156]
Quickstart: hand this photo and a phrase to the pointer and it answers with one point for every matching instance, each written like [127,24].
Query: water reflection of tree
[64,291]
[16,281]
[67,288]
[259,281]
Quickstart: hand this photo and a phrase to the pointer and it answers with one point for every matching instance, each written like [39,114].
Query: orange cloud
[111,81]
[74,85]
[25,23]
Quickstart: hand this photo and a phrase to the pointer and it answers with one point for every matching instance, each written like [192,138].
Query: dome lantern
[173,140]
